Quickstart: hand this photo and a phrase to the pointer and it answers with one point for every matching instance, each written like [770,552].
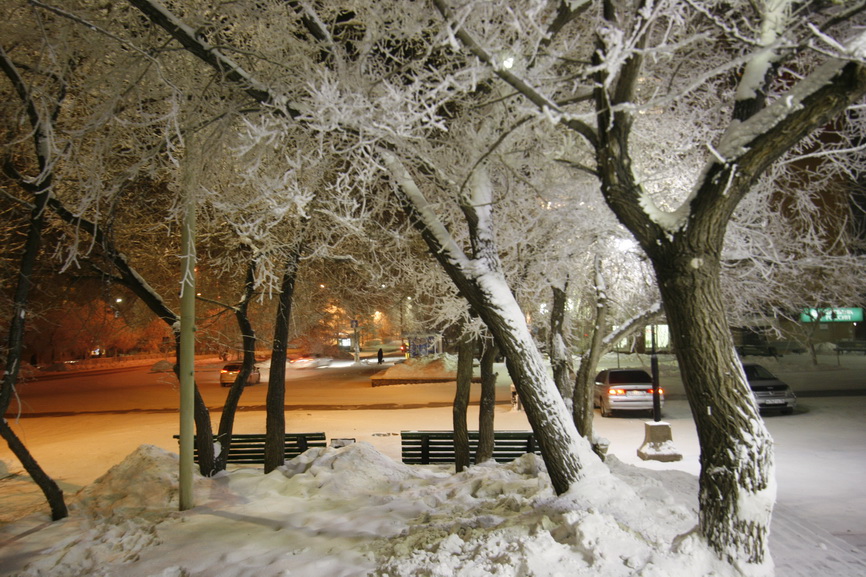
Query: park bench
[426,447]
[851,347]
[250,448]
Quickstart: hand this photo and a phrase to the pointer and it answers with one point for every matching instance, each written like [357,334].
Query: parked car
[770,393]
[311,362]
[757,351]
[229,373]
[624,390]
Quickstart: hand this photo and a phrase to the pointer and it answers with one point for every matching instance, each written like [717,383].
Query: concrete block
[658,444]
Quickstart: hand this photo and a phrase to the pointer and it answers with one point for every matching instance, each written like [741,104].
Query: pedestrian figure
[381,356]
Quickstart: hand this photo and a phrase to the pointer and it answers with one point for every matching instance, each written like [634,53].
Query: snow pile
[143,484]
[353,511]
[443,365]
[162,367]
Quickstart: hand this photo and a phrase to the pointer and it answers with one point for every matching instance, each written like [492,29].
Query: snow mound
[443,365]
[352,511]
[144,482]
[358,465]
[162,367]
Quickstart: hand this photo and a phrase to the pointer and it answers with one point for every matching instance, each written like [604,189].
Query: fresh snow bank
[353,511]
[432,366]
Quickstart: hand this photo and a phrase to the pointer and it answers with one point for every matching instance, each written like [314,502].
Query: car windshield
[620,377]
[757,373]
[232,368]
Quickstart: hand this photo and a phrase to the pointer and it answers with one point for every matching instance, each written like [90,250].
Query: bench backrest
[250,448]
[426,447]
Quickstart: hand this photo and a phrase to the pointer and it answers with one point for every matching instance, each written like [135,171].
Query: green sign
[832,315]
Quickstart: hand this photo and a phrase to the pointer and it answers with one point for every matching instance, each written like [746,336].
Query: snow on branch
[424,211]
[193,42]
[633,324]
[548,107]
[735,142]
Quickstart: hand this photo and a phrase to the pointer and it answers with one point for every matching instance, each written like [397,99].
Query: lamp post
[658,440]
[357,344]
[654,369]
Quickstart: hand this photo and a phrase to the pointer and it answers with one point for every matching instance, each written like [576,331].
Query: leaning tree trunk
[461,402]
[130,278]
[201,415]
[584,385]
[275,425]
[482,283]
[737,490]
[486,414]
[248,338]
[15,345]
[41,124]
[560,357]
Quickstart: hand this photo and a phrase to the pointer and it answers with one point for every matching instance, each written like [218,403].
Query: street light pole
[357,343]
[186,360]
[654,368]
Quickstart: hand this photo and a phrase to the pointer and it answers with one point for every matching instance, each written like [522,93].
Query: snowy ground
[359,511]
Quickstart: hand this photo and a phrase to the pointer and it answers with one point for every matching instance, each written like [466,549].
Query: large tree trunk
[275,426]
[737,487]
[461,402]
[486,412]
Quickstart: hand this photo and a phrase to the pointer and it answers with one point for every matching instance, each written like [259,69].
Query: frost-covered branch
[198,46]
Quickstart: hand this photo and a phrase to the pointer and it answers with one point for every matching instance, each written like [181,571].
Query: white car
[624,390]
[310,362]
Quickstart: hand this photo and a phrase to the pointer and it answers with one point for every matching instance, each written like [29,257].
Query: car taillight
[661,391]
[614,392]
[223,371]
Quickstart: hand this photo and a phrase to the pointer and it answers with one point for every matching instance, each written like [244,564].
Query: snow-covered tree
[749,81]
[677,108]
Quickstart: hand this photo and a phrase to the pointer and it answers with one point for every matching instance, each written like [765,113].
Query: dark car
[229,373]
[624,390]
[770,393]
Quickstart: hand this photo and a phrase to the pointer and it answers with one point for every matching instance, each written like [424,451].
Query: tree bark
[737,473]
[275,426]
[486,412]
[560,356]
[461,402]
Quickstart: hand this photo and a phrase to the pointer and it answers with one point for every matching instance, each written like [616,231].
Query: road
[137,389]
[347,386]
